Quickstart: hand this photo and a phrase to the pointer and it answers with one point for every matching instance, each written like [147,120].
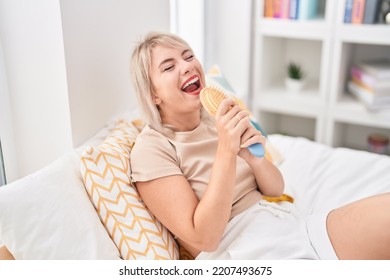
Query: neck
[185,122]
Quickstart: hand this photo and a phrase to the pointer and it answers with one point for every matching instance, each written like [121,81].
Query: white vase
[293,85]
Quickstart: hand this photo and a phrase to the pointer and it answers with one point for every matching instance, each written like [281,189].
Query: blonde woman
[197,177]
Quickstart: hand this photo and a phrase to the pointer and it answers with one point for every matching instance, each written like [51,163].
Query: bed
[83,206]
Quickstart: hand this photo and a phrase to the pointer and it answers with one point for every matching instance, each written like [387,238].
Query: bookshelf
[326,48]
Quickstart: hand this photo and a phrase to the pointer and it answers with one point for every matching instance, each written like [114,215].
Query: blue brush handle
[256,149]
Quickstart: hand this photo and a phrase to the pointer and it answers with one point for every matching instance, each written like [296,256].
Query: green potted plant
[295,77]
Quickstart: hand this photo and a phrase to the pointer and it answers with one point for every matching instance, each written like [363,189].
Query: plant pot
[293,85]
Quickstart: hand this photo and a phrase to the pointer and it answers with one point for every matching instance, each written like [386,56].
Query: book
[375,91]
[371,11]
[371,101]
[293,11]
[307,9]
[268,8]
[277,9]
[348,11]
[380,87]
[284,8]
[378,68]
[358,11]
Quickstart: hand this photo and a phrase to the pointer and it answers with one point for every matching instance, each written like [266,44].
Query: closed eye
[190,57]
[169,68]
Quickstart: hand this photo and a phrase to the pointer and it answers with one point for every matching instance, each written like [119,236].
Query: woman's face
[177,79]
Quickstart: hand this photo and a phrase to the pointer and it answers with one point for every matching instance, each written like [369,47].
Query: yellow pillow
[106,174]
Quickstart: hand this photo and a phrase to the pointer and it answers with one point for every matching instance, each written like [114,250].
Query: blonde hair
[141,60]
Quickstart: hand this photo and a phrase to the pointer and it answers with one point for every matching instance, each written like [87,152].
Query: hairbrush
[211,97]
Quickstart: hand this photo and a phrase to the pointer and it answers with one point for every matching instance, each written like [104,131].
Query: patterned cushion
[106,174]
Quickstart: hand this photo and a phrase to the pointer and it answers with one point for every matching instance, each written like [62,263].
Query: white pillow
[48,215]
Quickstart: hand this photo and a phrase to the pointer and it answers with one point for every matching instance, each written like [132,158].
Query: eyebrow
[171,59]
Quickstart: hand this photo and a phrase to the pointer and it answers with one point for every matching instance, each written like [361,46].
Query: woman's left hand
[249,137]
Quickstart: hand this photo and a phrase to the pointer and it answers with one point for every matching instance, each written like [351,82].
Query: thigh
[361,230]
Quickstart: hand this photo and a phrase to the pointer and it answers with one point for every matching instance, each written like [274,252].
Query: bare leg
[5,254]
[361,230]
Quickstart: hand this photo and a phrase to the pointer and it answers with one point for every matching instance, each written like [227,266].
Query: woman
[196,176]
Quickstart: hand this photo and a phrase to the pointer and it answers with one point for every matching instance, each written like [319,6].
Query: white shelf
[277,99]
[326,48]
[313,29]
[352,111]
[364,33]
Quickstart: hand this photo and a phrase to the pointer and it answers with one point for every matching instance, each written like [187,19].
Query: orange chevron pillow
[106,174]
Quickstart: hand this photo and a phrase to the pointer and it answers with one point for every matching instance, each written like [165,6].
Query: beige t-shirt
[190,154]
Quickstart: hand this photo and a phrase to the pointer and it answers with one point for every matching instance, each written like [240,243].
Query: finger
[231,117]
[241,115]
[249,132]
[225,106]
[250,139]
[236,114]
[242,125]
[233,111]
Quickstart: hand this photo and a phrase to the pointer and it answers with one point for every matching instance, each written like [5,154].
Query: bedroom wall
[66,65]
[6,129]
[98,38]
[38,112]
[190,25]
[228,40]
[220,33]
[67,69]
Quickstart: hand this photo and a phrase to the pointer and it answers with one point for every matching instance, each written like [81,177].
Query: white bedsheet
[320,177]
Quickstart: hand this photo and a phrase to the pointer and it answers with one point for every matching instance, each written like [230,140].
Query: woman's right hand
[231,123]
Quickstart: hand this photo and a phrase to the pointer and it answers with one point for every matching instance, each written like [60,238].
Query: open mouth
[191,85]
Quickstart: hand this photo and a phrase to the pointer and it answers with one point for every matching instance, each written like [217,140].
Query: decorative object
[378,143]
[384,12]
[295,77]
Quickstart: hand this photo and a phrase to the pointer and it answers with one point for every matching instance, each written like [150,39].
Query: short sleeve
[152,157]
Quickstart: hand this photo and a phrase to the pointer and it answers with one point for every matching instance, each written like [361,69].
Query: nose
[187,67]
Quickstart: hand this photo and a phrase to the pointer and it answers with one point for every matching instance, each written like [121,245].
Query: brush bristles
[211,97]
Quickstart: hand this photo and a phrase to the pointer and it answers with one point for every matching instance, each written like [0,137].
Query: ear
[156,99]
